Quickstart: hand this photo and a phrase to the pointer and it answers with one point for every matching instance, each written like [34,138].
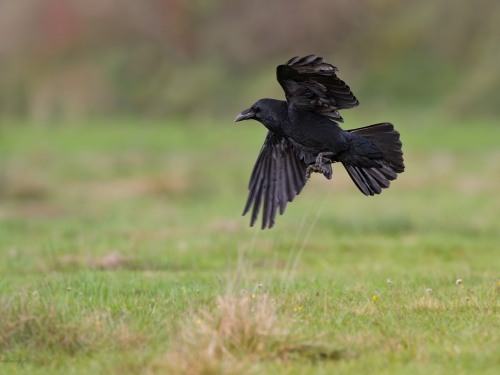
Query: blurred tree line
[72,58]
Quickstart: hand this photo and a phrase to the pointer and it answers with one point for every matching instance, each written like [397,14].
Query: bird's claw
[322,165]
[326,169]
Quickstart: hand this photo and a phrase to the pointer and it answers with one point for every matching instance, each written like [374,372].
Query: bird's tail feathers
[372,180]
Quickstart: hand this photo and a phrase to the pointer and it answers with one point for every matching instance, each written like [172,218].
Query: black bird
[304,137]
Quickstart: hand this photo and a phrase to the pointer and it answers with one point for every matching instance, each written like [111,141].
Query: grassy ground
[124,252]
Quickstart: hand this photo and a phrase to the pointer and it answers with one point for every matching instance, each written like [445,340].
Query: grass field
[124,252]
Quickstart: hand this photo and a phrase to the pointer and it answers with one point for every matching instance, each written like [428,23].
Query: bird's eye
[255,109]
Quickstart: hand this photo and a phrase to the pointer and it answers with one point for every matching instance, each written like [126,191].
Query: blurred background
[69,59]
[117,135]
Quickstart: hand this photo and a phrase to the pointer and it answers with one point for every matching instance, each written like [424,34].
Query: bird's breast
[312,148]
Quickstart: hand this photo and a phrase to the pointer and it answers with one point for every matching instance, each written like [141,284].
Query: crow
[304,138]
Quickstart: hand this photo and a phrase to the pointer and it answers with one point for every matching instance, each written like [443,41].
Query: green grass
[117,237]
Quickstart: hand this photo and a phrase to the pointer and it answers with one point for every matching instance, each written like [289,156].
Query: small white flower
[458,282]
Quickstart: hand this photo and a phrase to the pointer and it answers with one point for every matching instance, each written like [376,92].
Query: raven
[304,138]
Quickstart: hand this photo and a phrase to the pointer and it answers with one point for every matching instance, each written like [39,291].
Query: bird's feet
[322,165]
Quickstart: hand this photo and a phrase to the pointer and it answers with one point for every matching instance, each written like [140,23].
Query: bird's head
[254,112]
[266,111]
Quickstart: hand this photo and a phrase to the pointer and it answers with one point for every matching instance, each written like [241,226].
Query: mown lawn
[124,252]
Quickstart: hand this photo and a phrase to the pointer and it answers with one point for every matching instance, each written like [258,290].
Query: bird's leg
[322,165]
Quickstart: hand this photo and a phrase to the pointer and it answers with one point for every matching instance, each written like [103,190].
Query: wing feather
[278,176]
[312,85]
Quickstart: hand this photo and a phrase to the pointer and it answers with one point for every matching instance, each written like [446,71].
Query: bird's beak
[245,115]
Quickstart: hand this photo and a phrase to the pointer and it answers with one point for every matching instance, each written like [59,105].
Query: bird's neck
[276,126]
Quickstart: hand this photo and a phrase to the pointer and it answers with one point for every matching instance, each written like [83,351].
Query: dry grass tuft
[35,323]
[38,322]
[237,336]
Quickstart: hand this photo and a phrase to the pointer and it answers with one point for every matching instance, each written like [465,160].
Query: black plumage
[304,138]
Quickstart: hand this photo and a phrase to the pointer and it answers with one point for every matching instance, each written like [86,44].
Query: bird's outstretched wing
[278,176]
[311,84]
